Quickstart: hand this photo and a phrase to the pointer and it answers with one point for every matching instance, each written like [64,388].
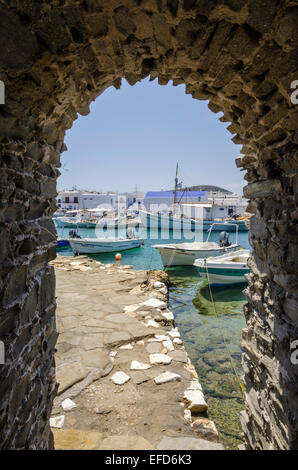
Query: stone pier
[125,379]
[56,58]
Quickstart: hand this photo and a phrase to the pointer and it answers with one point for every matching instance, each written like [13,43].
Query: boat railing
[222,224]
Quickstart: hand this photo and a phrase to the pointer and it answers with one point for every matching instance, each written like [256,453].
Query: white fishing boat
[103,245]
[117,222]
[185,254]
[164,221]
[191,209]
[229,268]
[76,218]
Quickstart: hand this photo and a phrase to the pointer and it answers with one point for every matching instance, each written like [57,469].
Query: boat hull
[164,222]
[222,277]
[62,243]
[67,224]
[230,268]
[178,257]
[104,246]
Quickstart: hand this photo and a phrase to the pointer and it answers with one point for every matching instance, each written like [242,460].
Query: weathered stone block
[17,52]
[124,21]
[243,43]
[261,14]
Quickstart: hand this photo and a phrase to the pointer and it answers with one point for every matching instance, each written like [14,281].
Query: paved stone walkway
[125,379]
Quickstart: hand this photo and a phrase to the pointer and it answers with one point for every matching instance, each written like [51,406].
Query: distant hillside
[206,187]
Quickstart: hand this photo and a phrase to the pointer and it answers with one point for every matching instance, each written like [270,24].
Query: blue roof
[179,194]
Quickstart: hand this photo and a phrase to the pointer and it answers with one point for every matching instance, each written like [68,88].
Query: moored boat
[229,268]
[62,243]
[103,245]
[192,210]
[185,254]
[169,222]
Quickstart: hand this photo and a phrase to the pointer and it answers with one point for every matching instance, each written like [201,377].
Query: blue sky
[135,136]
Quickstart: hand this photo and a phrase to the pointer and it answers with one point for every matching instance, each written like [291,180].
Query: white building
[75,199]
[163,200]
[208,205]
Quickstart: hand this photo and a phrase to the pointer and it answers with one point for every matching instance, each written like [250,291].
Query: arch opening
[60,59]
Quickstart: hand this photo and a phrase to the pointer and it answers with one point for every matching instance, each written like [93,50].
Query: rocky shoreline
[125,379]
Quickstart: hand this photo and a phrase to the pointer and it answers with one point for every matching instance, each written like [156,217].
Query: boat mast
[176,185]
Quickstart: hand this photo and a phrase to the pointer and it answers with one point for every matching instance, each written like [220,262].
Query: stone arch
[56,58]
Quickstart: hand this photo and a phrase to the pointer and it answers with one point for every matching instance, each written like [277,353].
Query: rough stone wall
[56,57]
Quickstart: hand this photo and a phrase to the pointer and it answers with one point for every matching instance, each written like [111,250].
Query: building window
[75,200]
[67,200]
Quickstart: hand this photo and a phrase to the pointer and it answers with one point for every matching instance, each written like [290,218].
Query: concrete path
[125,379]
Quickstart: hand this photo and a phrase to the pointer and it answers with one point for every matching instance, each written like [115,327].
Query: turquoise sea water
[202,331]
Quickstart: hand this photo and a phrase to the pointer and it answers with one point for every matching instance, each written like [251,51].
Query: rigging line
[240,384]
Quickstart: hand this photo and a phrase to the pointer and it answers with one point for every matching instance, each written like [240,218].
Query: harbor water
[212,341]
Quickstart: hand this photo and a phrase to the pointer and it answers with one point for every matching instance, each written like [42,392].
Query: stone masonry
[56,57]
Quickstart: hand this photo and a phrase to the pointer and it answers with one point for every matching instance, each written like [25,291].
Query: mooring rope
[240,384]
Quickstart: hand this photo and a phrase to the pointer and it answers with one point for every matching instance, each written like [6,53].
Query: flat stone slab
[126,346]
[120,378]
[154,303]
[169,346]
[160,359]
[57,421]
[69,374]
[136,365]
[139,377]
[68,404]
[131,308]
[194,385]
[154,347]
[125,443]
[177,341]
[174,333]
[167,377]
[187,443]
[205,428]
[168,315]
[76,439]
[179,356]
[139,331]
[116,337]
[152,323]
[95,358]
[194,400]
